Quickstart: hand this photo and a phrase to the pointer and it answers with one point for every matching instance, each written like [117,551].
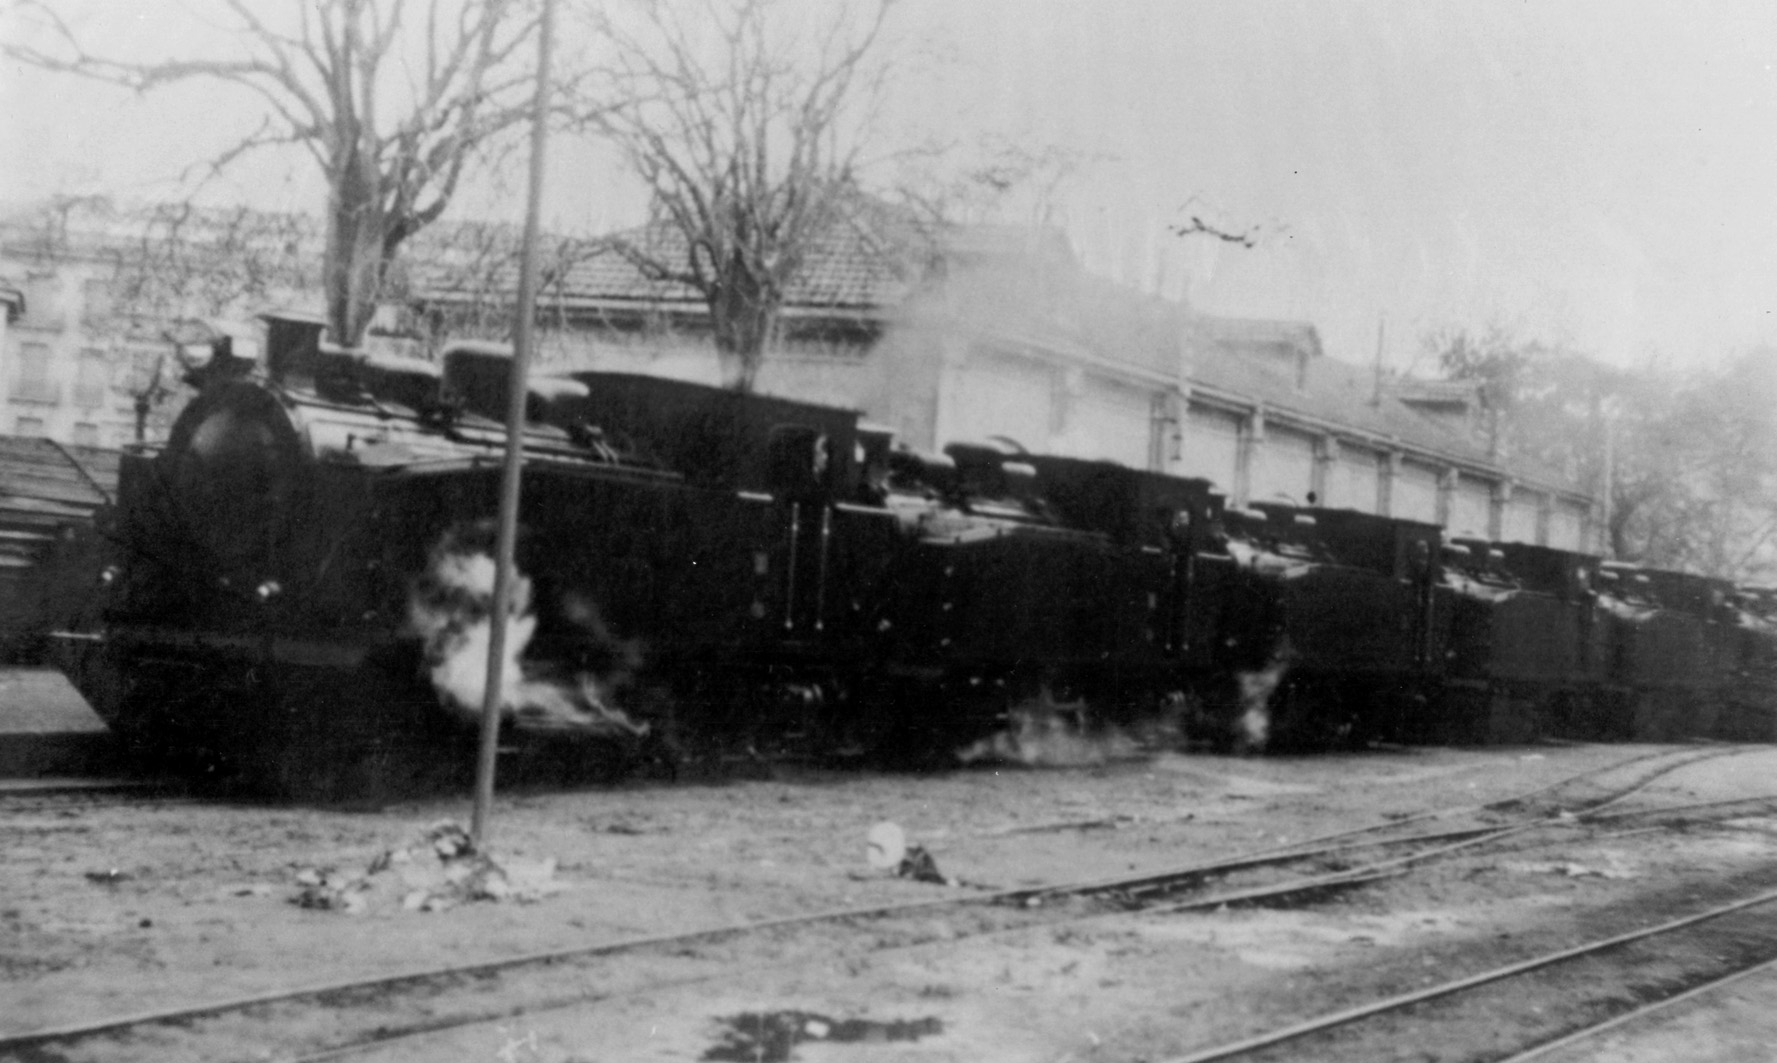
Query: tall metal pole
[514,465]
[1606,542]
[1381,344]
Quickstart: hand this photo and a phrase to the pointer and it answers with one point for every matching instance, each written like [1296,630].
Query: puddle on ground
[770,1037]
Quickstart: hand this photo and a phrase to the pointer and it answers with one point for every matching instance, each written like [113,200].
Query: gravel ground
[122,907]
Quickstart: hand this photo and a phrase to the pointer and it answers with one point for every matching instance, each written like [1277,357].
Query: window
[28,426]
[30,380]
[96,302]
[86,434]
[93,379]
[43,302]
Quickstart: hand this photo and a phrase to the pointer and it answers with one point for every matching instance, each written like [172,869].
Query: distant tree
[1707,471]
[1691,460]
[994,178]
[744,121]
[392,99]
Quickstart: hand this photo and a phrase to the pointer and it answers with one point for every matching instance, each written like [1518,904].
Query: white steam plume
[450,609]
[1256,689]
[1043,731]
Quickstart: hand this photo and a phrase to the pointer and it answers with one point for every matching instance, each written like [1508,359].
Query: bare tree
[1708,467]
[992,178]
[742,125]
[391,98]
[1692,459]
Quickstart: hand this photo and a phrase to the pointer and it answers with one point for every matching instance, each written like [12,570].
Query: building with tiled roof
[996,331]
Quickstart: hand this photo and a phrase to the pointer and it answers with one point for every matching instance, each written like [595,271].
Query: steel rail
[1594,1030]
[1396,1003]
[1292,850]
[1019,897]
[1348,878]
[1317,884]
[1635,813]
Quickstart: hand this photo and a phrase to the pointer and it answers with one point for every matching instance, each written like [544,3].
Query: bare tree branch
[392,164]
[744,136]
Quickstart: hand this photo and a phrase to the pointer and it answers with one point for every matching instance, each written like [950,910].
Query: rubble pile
[887,849]
[440,871]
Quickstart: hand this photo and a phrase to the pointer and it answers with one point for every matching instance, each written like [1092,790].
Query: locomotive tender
[300,588]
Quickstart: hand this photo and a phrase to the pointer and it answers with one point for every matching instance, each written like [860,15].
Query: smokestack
[292,347]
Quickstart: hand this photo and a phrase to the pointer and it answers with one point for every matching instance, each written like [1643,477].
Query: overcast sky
[1602,173]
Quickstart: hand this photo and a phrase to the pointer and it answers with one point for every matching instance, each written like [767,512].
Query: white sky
[1600,172]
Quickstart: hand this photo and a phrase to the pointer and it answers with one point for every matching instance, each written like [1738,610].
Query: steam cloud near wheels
[450,610]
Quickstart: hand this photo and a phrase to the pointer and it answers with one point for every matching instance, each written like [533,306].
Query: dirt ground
[112,907]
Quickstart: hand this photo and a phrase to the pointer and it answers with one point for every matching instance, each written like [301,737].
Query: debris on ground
[887,850]
[438,872]
[1570,869]
[919,866]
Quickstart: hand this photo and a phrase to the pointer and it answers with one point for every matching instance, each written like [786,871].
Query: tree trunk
[354,264]
[741,318]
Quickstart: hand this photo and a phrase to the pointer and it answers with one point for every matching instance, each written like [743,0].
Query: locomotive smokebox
[292,347]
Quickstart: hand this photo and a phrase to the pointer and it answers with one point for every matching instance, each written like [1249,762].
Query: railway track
[1550,1049]
[1584,990]
[361,1015]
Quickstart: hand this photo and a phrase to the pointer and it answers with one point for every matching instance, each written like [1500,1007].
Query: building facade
[1011,340]
[113,298]
[981,333]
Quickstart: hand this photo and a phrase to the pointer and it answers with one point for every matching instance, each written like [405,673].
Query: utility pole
[1606,545]
[1381,342]
[523,340]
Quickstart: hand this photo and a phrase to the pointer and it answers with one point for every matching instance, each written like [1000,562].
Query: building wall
[1355,479]
[1568,527]
[936,389]
[1471,507]
[1284,466]
[1523,518]
[1212,445]
[64,373]
[933,382]
[1110,420]
[997,393]
[1416,492]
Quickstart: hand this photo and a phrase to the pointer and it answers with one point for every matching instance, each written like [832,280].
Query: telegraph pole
[523,340]
[1381,344]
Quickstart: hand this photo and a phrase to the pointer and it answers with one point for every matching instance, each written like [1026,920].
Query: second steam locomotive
[301,583]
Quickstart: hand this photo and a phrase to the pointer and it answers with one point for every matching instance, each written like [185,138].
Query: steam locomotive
[299,594]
